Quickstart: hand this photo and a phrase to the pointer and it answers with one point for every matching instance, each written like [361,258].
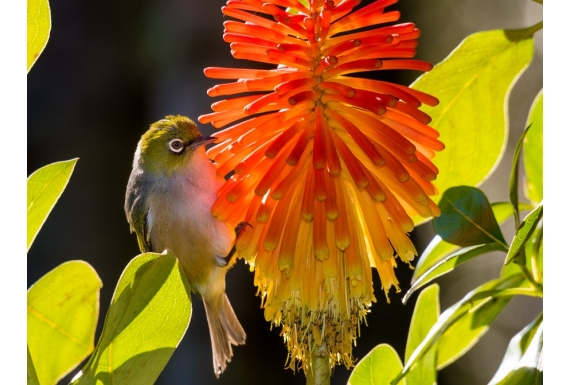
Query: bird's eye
[176,145]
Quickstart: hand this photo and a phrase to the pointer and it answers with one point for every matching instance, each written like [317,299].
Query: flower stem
[319,369]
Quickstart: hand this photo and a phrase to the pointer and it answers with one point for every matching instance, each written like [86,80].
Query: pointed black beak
[201,141]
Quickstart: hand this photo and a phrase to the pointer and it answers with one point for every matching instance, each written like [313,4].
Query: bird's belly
[187,228]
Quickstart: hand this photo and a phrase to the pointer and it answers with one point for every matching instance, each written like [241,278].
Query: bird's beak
[202,141]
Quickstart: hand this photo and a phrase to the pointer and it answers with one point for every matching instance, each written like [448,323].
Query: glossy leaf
[451,262]
[149,314]
[378,367]
[438,249]
[529,370]
[466,218]
[524,233]
[39,26]
[532,152]
[425,316]
[44,189]
[31,371]
[514,179]
[473,85]
[515,351]
[476,299]
[63,307]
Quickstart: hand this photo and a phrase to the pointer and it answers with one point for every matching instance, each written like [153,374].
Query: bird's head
[169,144]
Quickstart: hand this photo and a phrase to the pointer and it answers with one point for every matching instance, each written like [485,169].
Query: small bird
[169,195]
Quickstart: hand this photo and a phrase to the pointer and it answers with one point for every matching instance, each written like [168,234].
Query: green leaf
[524,233]
[149,314]
[529,370]
[532,152]
[466,218]
[515,351]
[63,307]
[451,262]
[425,316]
[473,85]
[39,26]
[438,249]
[476,299]
[378,367]
[44,189]
[514,180]
[31,371]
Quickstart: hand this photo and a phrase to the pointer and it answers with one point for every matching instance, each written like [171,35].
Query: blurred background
[111,68]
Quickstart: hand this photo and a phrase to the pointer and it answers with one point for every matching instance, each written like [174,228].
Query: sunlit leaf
[425,316]
[529,370]
[532,152]
[514,179]
[438,249]
[476,299]
[451,262]
[149,314]
[518,345]
[63,307]
[473,85]
[524,233]
[466,218]
[31,371]
[378,367]
[39,26]
[44,189]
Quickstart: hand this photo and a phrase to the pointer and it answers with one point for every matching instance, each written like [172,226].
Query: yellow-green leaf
[425,316]
[39,26]
[532,152]
[44,189]
[31,371]
[63,307]
[149,314]
[473,85]
[378,367]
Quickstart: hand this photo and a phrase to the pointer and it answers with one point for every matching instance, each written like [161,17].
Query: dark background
[111,68]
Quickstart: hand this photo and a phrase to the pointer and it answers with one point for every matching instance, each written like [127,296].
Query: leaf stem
[536,243]
[319,372]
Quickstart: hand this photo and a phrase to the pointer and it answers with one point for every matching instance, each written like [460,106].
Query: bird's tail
[225,330]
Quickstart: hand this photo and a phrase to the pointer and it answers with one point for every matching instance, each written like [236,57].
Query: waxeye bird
[170,192]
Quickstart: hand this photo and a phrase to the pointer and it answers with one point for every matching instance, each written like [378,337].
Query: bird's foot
[240,228]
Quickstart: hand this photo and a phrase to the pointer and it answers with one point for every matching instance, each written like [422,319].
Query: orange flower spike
[328,169]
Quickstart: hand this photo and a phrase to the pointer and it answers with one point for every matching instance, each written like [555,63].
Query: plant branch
[319,372]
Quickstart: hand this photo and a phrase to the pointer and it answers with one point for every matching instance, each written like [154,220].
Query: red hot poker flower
[329,169]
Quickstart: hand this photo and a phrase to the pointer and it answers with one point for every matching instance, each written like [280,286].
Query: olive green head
[168,144]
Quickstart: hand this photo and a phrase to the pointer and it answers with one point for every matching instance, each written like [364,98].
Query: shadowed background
[110,69]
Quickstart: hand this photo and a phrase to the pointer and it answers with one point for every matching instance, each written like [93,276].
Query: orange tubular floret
[325,21]
[341,226]
[392,30]
[257,30]
[353,66]
[276,225]
[358,136]
[261,102]
[283,186]
[377,130]
[381,87]
[273,171]
[331,208]
[320,189]
[415,135]
[240,129]
[333,162]
[227,89]
[352,163]
[308,201]
[289,240]
[250,40]
[286,136]
[229,164]
[266,23]
[371,18]
[373,105]
[236,73]
[288,59]
[252,159]
[427,99]
[319,149]
[291,85]
[338,88]
[235,103]
[320,246]
[378,236]
[420,116]
[300,146]
[418,65]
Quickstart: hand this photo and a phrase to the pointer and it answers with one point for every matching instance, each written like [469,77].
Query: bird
[170,192]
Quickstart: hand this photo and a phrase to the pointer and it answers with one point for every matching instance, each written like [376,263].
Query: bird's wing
[136,210]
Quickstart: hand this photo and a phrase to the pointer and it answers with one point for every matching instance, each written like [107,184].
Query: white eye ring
[176,146]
